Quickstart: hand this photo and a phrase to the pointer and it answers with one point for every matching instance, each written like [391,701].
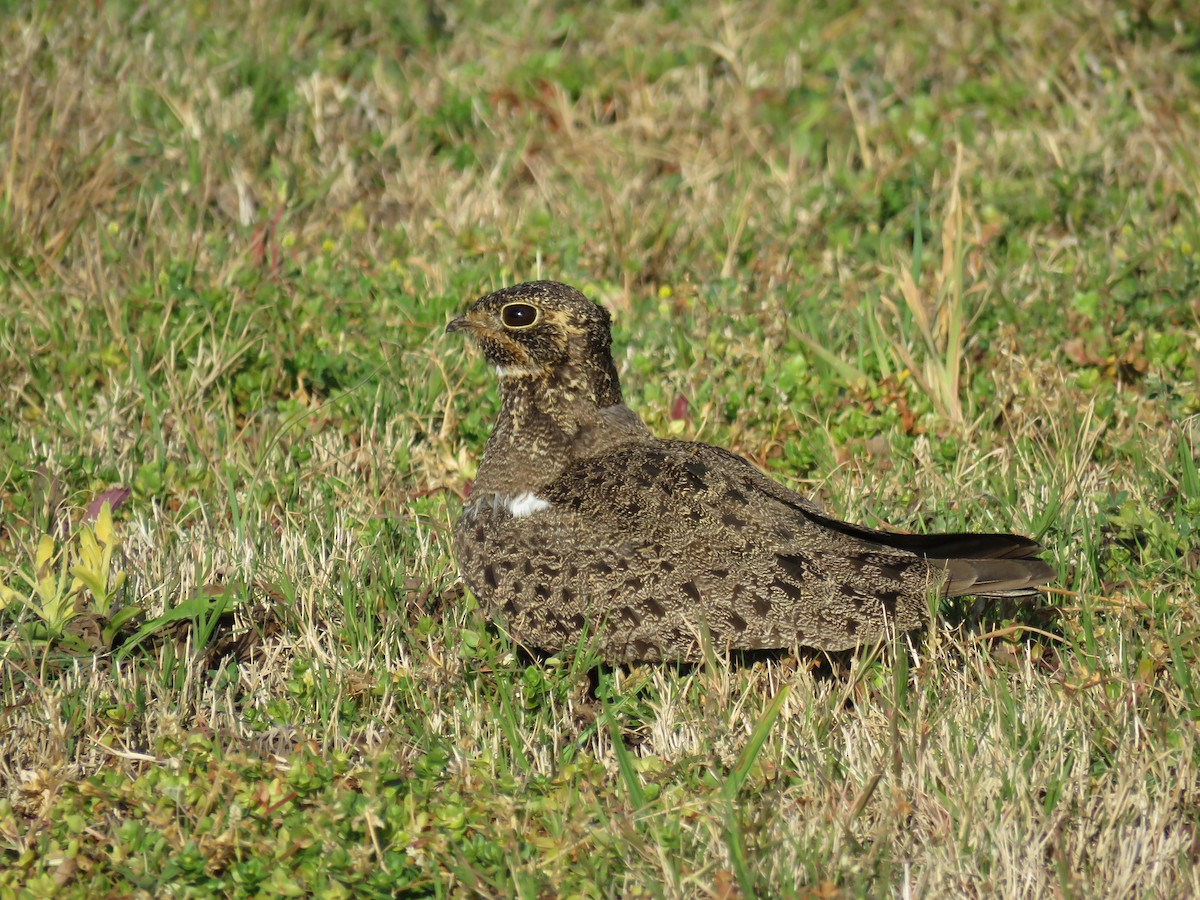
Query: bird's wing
[983,564]
[688,536]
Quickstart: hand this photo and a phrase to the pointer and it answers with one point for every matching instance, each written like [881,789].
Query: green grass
[938,267]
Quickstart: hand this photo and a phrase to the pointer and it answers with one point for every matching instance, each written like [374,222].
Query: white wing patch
[519,507]
[514,371]
[525,504]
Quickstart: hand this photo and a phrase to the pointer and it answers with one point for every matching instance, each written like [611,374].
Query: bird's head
[546,331]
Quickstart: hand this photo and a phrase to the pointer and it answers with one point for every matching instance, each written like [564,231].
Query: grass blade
[758,737]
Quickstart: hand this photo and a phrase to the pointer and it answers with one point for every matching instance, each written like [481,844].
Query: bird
[582,527]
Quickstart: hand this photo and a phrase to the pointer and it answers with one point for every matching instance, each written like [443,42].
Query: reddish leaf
[115,497]
[679,409]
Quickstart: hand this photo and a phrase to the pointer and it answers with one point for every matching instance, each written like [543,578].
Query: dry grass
[939,267]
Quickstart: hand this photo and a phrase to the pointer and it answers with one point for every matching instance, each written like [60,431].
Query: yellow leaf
[47,583]
[45,553]
[104,525]
[8,596]
[91,579]
[90,554]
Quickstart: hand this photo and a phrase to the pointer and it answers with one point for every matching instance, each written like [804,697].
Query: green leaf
[754,746]
[203,608]
[1189,475]
[119,618]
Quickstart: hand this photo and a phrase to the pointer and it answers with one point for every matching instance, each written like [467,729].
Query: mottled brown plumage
[580,520]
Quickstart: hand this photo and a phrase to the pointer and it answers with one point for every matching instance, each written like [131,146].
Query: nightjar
[583,523]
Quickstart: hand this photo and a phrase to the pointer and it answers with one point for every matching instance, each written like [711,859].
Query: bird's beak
[458,324]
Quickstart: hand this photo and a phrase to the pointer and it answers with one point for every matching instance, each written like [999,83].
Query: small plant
[69,582]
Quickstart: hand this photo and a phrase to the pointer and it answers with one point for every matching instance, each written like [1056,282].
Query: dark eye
[519,315]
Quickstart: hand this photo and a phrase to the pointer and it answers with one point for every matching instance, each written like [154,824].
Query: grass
[938,267]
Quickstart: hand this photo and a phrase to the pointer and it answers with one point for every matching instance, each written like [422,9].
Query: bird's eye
[519,315]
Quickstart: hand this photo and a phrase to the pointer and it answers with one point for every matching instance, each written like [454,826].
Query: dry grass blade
[937,312]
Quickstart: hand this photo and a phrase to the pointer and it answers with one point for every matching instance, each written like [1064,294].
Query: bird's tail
[984,565]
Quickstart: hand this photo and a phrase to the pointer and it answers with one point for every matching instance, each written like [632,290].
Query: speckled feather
[580,520]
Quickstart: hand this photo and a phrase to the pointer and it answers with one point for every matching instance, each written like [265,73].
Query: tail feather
[995,577]
[985,565]
[966,545]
